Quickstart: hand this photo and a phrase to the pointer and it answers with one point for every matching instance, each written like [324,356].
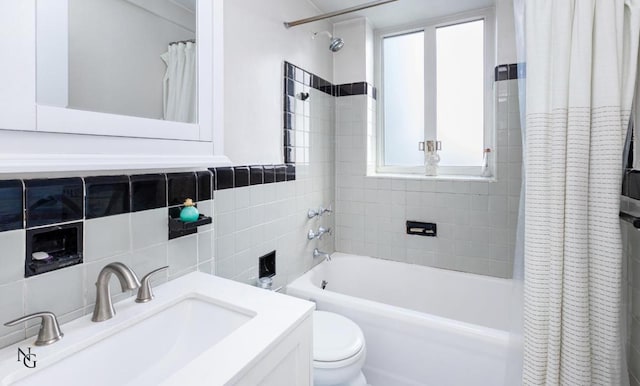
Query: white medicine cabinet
[91,84]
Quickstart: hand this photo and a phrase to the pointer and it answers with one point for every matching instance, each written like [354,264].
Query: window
[436,85]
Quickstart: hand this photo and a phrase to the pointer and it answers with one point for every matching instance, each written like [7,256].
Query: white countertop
[274,316]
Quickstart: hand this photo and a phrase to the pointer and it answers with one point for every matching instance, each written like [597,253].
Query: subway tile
[12,256]
[149,227]
[256,175]
[183,254]
[224,178]
[148,259]
[107,236]
[241,176]
[67,297]
[148,191]
[181,186]
[51,201]
[106,196]
[204,185]
[11,205]
[11,304]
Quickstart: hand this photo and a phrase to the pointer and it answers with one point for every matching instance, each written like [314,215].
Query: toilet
[338,351]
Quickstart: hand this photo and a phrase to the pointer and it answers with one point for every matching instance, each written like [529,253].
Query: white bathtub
[422,325]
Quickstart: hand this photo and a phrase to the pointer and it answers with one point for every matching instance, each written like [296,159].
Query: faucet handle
[328,210]
[145,294]
[49,329]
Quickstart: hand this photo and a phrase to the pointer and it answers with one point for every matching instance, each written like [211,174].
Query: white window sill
[442,177]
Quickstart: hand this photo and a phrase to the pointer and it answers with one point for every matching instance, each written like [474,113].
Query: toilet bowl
[339,351]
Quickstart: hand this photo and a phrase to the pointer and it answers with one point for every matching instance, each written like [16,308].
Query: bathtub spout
[318,253]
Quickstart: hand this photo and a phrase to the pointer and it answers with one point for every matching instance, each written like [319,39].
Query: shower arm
[289,24]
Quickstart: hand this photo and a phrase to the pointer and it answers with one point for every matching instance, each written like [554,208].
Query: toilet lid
[335,337]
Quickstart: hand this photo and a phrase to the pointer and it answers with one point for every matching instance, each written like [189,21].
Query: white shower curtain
[581,63]
[179,88]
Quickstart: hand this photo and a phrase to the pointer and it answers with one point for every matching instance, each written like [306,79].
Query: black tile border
[11,205]
[49,201]
[102,188]
[294,74]
[510,71]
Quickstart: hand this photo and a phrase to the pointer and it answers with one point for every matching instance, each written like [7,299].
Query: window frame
[429,27]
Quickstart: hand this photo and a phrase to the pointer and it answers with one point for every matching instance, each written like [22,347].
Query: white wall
[352,62]
[114,57]
[256,45]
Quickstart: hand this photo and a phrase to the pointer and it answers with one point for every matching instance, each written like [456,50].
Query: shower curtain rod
[183,41]
[289,24]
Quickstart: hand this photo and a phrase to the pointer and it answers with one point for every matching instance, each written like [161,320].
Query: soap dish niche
[179,228]
[52,248]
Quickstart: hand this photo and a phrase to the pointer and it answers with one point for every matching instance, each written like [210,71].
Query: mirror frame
[39,139]
[55,119]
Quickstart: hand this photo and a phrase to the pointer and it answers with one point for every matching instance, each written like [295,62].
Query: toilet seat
[337,341]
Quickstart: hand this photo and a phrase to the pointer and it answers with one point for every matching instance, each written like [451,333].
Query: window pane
[460,93]
[403,78]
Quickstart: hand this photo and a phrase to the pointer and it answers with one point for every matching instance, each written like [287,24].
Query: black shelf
[179,228]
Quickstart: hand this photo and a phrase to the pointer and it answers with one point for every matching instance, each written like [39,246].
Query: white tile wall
[137,239]
[476,219]
[255,220]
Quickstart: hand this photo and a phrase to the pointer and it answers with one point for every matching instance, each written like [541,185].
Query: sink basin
[199,329]
[150,350]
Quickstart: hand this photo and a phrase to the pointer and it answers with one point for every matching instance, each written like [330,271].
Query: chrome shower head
[336,43]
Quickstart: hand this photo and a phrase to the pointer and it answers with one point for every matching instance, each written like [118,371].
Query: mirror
[124,57]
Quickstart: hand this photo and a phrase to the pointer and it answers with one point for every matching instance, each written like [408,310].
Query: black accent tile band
[205,191]
[11,204]
[269,174]
[148,191]
[51,201]
[181,186]
[510,71]
[241,176]
[257,175]
[106,196]
[224,178]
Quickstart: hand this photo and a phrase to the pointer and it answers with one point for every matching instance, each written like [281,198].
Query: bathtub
[422,325]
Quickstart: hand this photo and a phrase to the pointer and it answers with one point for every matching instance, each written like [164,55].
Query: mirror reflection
[125,57]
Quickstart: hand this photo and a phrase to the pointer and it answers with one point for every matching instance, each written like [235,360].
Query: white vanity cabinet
[37,136]
[290,362]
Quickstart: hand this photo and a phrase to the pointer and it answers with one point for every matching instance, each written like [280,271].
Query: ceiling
[402,11]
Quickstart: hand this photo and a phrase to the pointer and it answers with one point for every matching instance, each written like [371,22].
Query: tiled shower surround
[476,218]
[254,220]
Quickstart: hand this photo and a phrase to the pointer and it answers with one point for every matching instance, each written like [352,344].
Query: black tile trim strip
[510,71]
[93,197]
[294,74]
[242,176]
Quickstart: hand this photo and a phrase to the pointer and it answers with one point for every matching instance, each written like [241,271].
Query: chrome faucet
[318,235]
[49,329]
[319,253]
[104,305]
